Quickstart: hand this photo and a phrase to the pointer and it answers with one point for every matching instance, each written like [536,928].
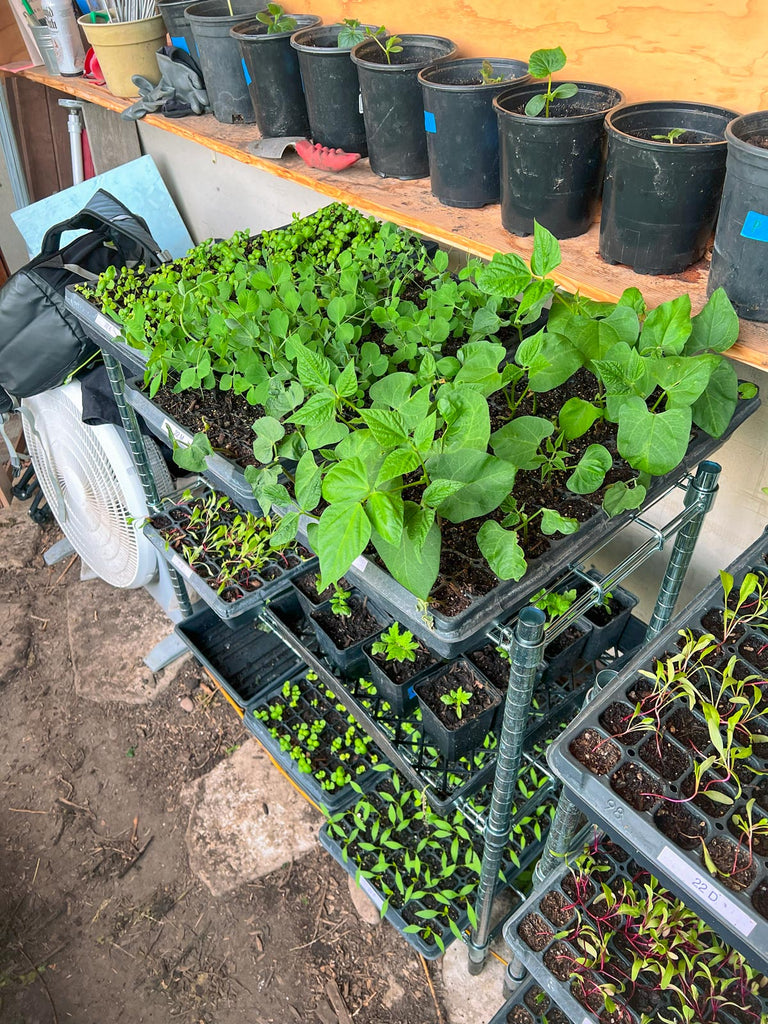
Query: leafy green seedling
[130,752]
[457,699]
[352,34]
[543,64]
[276,19]
[396,646]
[487,75]
[389,46]
[340,601]
[554,603]
[670,136]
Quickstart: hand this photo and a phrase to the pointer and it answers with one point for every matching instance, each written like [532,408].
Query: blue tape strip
[245,72]
[755,226]
[181,42]
[429,122]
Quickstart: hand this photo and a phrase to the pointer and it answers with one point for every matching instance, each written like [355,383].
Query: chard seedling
[457,700]
[396,646]
[670,136]
[543,64]
[387,44]
[276,19]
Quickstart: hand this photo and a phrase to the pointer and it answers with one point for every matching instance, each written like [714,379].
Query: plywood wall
[12,46]
[713,51]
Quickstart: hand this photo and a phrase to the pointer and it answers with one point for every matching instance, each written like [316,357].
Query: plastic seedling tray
[604,636]
[401,916]
[530,1005]
[349,660]
[105,332]
[313,704]
[661,819]
[244,660]
[450,636]
[236,600]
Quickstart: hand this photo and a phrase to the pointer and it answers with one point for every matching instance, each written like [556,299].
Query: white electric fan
[90,482]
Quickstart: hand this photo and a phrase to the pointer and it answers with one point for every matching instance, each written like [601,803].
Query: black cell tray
[732,913]
[106,333]
[540,1013]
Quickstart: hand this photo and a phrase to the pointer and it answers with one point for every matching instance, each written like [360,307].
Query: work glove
[179,92]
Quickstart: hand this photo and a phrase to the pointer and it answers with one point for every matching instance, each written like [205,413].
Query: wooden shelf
[411,204]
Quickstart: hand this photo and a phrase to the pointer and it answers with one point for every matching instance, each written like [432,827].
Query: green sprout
[457,699]
[543,64]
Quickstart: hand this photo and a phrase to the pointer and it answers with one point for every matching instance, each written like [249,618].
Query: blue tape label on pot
[181,42]
[429,122]
[755,226]
[245,72]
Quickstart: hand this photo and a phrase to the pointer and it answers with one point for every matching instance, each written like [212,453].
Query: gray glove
[180,91]
[152,98]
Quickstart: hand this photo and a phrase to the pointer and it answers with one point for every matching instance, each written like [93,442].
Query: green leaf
[387,426]
[487,481]
[346,482]
[278,321]
[633,298]
[546,251]
[193,457]
[397,463]
[543,63]
[565,91]
[393,390]
[577,416]
[713,409]
[439,491]
[748,390]
[684,378]
[318,409]
[385,512]
[590,471]
[324,435]
[486,321]
[467,417]
[313,369]
[594,338]
[536,104]
[502,551]
[415,567]
[342,534]
[621,497]
[286,531]
[549,358]
[715,328]
[667,328]
[346,382]
[652,442]
[267,428]
[337,309]
[424,433]
[480,366]
[553,522]
[519,440]
[505,276]
[308,482]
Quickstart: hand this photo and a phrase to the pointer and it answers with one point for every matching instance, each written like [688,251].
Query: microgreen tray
[105,332]
[448,636]
[530,1004]
[239,597]
[671,825]
[401,738]
[303,700]
[417,840]
[245,660]
[577,910]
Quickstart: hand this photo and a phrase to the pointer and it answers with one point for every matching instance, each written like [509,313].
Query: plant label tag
[702,887]
[181,436]
[755,226]
[181,566]
[107,326]
[429,123]
[360,563]
[360,102]
[245,72]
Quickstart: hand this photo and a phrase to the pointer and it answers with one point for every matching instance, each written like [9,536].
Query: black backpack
[42,342]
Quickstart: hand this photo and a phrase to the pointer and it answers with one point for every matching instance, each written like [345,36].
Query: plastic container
[243,659]
[274,578]
[225,75]
[552,167]
[561,656]
[274,79]
[124,49]
[528,996]
[461,127]
[467,734]
[179,29]
[606,635]
[392,104]
[682,870]
[331,89]
[347,659]
[739,256]
[401,696]
[105,332]
[660,199]
[449,636]
[67,42]
[44,43]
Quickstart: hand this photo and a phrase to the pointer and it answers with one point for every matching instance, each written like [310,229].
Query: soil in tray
[401,671]
[634,786]
[457,675]
[755,650]
[535,932]
[492,665]
[307,584]
[346,630]
[596,753]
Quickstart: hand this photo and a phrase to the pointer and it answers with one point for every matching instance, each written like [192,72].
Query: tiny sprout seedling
[543,64]
[457,699]
[396,646]
[352,34]
[340,601]
[392,44]
[670,136]
[487,75]
[554,604]
[276,19]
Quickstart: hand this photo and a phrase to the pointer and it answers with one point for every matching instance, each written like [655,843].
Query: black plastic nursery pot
[551,167]
[462,130]
[562,653]
[331,89]
[392,103]
[273,76]
[609,623]
[463,734]
[178,27]
[738,259]
[660,198]
[348,658]
[220,57]
[395,681]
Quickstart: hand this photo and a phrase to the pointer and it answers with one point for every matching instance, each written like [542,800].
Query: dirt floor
[101,920]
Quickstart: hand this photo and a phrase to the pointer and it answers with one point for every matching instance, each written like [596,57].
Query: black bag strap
[104,213]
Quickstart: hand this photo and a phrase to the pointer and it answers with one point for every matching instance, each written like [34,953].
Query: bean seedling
[487,75]
[543,64]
